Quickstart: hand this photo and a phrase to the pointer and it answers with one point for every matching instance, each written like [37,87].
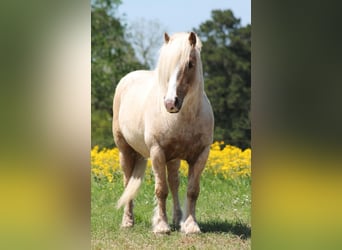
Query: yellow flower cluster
[105,163]
[227,161]
[230,161]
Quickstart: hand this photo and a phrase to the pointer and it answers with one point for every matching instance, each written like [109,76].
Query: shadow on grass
[239,229]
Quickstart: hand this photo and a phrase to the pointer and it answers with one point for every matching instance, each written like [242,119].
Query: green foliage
[226,57]
[111,58]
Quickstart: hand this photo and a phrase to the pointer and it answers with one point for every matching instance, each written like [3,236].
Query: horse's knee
[193,194]
[161,193]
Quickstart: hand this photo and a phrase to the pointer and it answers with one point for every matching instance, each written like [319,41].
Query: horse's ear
[192,39]
[166,37]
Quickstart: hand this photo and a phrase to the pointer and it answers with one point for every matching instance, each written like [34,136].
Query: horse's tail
[133,185]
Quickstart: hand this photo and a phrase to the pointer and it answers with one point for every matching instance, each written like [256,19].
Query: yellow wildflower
[229,162]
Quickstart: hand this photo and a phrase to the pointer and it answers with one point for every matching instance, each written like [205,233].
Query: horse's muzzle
[173,106]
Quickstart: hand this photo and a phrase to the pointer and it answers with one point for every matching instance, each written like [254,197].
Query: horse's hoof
[127,222]
[162,228]
[126,225]
[190,226]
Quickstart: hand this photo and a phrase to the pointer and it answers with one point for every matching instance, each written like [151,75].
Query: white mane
[176,53]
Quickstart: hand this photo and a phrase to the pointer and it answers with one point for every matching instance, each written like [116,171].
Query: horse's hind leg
[128,157]
[127,161]
[173,179]
[195,170]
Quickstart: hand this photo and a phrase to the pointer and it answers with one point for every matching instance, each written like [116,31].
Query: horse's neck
[192,106]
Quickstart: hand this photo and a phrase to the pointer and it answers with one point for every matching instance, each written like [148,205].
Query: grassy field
[223,213]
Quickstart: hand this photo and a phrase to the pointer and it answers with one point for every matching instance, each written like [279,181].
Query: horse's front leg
[195,170]
[173,179]
[159,221]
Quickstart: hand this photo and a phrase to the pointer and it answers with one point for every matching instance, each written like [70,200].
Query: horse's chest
[187,148]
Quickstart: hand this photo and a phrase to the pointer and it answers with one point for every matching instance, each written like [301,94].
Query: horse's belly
[132,128]
[136,87]
[138,144]
[136,141]
[133,132]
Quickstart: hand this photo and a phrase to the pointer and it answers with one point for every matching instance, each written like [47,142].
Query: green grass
[223,214]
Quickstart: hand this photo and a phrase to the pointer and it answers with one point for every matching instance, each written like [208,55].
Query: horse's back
[134,81]
[128,106]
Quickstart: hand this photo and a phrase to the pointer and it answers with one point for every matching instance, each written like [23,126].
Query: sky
[182,15]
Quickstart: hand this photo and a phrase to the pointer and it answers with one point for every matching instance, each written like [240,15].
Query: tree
[146,37]
[111,58]
[226,56]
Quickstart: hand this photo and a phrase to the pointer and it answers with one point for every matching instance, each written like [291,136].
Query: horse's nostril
[173,105]
[176,101]
[169,105]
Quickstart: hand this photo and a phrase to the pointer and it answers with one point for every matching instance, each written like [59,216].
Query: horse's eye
[190,65]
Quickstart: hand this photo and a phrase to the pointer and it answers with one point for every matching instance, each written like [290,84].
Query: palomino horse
[165,115]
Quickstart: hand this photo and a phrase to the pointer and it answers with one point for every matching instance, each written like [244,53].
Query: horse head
[180,66]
